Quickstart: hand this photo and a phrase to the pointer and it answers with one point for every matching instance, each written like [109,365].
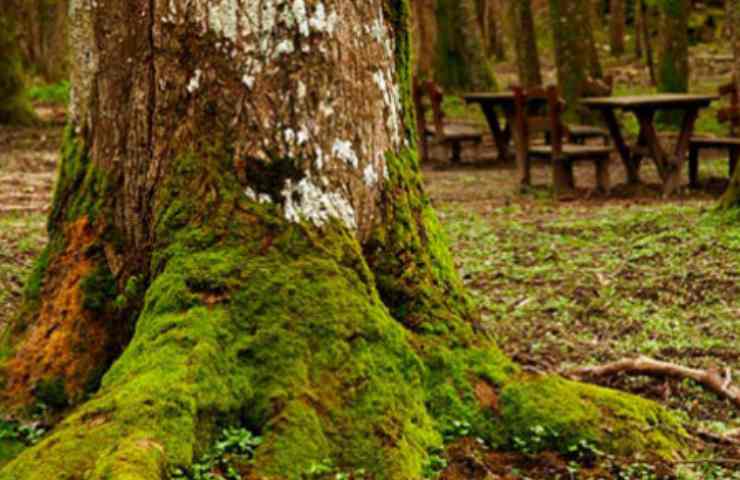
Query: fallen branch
[711,379]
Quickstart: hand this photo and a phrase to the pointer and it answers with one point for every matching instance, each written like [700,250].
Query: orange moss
[64,342]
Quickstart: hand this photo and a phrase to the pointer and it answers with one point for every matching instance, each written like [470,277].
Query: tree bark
[13,106]
[525,43]
[461,61]
[617,22]
[239,230]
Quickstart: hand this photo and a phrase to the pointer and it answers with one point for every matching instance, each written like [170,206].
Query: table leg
[633,171]
[650,135]
[500,137]
[674,164]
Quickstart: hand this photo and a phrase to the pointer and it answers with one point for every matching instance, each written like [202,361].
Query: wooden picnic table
[491,104]
[644,107]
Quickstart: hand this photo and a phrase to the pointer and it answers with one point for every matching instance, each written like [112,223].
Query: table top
[489,97]
[660,100]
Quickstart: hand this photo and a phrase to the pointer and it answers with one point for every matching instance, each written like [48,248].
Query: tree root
[710,379]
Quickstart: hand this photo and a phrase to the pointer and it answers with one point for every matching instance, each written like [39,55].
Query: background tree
[425,36]
[239,230]
[43,38]
[617,22]
[673,66]
[589,32]
[461,61]
[573,61]
[731,197]
[525,42]
[14,107]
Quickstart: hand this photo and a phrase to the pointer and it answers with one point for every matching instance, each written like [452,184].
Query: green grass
[567,286]
[56,93]
[21,239]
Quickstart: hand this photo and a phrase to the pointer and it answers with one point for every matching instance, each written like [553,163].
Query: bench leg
[562,175]
[571,176]
[456,152]
[694,167]
[602,174]
[734,154]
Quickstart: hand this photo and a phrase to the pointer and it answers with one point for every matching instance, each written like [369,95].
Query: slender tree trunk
[497,43]
[13,106]
[673,70]
[461,61]
[617,21]
[525,43]
[731,198]
[639,19]
[240,230]
[647,38]
[595,69]
[568,18]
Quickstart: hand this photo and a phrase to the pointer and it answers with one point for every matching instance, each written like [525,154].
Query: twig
[710,379]
[719,461]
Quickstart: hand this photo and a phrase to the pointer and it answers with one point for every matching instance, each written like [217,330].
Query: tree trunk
[240,231]
[14,108]
[461,61]
[568,18]
[525,43]
[673,68]
[731,198]
[617,21]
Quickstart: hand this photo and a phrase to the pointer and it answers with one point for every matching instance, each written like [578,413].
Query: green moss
[98,289]
[81,187]
[570,412]
[51,392]
[9,449]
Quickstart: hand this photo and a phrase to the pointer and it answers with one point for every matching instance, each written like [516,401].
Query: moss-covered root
[562,415]
[731,198]
[294,346]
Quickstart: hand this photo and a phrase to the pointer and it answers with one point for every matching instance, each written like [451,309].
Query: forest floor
[581,281]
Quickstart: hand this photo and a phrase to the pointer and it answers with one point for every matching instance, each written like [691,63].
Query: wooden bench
[729,115]
[440,131]
[529,119]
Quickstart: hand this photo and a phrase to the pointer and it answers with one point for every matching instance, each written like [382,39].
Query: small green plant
[457,429]
[28,433]
[326,469]
[435,464]
[57,93]
[236,446]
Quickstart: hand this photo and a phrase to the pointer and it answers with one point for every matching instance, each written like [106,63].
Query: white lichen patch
[343,150]
[307,201]
[194,83]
